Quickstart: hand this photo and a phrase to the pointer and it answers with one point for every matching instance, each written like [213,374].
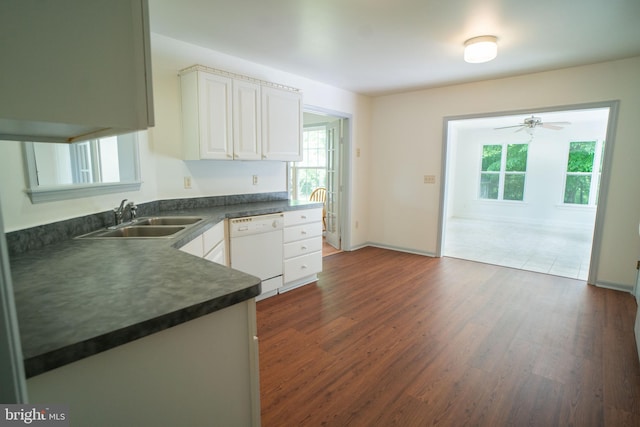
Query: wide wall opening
[522,190]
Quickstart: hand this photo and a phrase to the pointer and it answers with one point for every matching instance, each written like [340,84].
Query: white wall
[407,143]
[162,169]
[546,166]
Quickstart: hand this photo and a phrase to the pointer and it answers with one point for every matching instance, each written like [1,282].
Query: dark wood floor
[387,338]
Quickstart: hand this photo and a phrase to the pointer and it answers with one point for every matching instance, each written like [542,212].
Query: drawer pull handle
[304,248]
[304,266]
[303,217]
[303,232]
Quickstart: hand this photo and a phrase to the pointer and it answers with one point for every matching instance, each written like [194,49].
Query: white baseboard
[397,248]
[614,286]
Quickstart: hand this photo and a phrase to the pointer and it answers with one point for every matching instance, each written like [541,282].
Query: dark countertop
[83,296]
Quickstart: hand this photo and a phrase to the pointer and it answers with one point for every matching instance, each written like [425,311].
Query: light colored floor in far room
[552,250]
[327,249]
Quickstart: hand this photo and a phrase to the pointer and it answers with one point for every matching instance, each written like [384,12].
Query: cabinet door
[247,136]
[217,254]
[215,127]
[74,70]
[194,247]
[281,124]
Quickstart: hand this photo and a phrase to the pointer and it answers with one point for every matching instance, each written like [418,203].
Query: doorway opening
[322,168]
[521,189]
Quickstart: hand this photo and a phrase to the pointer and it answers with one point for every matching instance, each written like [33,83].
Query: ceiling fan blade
[557,123]
[508,127]
[550,126]
[522,128]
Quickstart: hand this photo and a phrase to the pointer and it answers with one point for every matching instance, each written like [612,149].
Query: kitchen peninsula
[136,331]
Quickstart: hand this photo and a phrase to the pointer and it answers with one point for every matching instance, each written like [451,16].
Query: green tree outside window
[580,168]
[503,171]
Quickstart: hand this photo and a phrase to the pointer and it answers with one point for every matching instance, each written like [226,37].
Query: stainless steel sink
[147,231]
[168,220]
[146,227]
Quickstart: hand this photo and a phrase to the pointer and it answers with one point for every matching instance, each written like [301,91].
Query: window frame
[293,169]
[595,174]
[502,173]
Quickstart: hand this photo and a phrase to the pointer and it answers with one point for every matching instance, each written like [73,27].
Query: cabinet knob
[303,232]
[304,266]
[304,248]
[303,217]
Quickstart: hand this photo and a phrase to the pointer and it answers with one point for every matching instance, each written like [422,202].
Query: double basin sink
[161,226]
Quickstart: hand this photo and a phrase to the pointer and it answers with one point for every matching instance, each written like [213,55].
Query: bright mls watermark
[34,415]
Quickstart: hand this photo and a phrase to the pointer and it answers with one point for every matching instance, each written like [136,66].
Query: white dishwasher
[255,247]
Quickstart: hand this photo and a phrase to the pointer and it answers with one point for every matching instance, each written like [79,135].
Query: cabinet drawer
[304,231]
[302,247]
[305,265]
[213,236]
[302,216]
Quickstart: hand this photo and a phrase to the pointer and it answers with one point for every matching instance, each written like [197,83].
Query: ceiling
[375,47]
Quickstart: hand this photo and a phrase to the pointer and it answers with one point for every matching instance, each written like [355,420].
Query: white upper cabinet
[206,116]
[227,116]
[74,70]
[247,138]
[281,124]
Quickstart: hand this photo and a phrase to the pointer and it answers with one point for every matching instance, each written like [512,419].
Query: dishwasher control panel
[255,224]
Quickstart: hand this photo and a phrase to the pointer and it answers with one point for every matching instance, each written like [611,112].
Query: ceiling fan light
[480,49]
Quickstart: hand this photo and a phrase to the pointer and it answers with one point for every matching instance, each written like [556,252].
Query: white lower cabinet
[210,245]
[217,254]
[200,373]
[214,244]
[302,247]
[194,247]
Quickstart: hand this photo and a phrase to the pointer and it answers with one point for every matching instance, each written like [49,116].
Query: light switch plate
[429,179]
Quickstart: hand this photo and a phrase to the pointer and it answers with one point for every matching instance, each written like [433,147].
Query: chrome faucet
[121,210]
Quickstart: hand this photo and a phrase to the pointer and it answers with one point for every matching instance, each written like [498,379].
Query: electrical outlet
[357,224]
[429,179]
[255,179]
[187,182]
[357,152]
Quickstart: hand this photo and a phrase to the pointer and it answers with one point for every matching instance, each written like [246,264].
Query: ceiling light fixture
[480,49]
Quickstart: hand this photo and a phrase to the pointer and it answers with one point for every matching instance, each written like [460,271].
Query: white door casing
[334,147]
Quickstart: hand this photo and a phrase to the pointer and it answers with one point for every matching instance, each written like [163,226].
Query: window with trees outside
[584,168]
[311,172]
[504,167]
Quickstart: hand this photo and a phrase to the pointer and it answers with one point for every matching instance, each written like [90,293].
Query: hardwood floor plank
[583,403]
[621,366]
[536,402]
[387,338]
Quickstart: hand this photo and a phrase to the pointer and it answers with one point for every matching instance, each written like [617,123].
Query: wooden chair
[320,195]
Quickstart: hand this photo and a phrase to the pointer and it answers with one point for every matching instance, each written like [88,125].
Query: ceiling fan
[534,122]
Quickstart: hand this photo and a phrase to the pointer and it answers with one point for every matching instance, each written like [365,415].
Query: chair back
[318,195]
